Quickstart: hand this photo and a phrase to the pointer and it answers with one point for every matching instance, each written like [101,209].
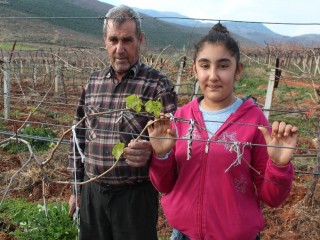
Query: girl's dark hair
[219,34]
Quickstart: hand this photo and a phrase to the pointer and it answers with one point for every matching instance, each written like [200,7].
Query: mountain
[308,39]
[256,32]
[74,23]
[193,26]
[173,17]
[78,23]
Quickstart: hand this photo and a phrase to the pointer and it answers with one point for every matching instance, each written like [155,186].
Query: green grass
[304,164]
[26,220]
[3,123]
[36,142]
[253,82]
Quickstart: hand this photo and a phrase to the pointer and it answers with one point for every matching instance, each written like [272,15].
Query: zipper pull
[206,150]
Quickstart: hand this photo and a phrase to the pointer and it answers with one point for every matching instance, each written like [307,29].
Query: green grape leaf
[117,150]
[134,102]
[153,107]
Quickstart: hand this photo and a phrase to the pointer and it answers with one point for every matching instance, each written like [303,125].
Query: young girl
[212,163]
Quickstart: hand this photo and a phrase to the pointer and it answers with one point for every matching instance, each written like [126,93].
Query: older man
[123,204]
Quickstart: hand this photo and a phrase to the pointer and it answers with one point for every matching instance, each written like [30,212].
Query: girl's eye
[223,66]
[204,65]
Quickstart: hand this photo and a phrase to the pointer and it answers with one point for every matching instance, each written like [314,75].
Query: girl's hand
[284,137]
[161,128]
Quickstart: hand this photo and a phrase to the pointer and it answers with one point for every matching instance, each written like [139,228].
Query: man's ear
[239,71]
[141,37]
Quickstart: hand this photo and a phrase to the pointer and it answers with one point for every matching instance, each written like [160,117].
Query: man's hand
[72,204]
[138,153]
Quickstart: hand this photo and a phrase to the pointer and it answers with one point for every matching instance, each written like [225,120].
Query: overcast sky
[279,11]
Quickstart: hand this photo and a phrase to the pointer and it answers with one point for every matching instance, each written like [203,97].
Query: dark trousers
[118,213]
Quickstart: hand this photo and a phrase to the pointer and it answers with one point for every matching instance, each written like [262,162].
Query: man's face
[123,46]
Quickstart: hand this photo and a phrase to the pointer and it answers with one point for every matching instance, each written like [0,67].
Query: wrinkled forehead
[129,26]
[116,20]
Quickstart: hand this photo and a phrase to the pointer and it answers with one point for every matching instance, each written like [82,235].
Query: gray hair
[121,14]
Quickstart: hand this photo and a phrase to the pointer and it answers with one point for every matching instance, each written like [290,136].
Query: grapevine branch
[136,106]
[32,156]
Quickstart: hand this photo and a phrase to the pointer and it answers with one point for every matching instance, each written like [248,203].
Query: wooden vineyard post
[269,57]
[277,73]
[308,199]
[58,75]
[316,61]
[34,73]
[182,65]
[59,80]
[21,67]
[6,88]
[268,101]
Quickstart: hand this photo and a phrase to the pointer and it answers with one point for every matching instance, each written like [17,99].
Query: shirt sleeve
[167,95]
[273,182]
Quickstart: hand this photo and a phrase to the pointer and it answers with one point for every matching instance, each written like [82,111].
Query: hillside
[49,31]
[75,23]
[35,21]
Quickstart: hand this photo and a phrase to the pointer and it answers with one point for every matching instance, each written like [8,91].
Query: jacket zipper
[202,183]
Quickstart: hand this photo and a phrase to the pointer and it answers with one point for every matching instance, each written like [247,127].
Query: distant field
[19,46]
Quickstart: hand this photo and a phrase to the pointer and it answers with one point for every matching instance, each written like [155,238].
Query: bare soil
[293,220]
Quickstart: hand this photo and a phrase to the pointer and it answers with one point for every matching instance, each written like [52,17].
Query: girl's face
[216,70]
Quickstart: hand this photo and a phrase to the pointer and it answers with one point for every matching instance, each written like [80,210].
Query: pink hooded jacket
[214,194]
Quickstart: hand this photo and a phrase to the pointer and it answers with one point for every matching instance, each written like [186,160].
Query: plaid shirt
[98,135]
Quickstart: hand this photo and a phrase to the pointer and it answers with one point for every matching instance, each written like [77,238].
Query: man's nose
[120,47]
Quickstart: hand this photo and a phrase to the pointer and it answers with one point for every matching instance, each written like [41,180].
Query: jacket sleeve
[273,182]
[163,173]
[277,183]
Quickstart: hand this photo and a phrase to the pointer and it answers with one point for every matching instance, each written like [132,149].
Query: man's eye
[112,40]
[126,40]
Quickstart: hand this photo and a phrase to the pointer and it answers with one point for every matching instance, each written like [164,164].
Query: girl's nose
[213,74]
